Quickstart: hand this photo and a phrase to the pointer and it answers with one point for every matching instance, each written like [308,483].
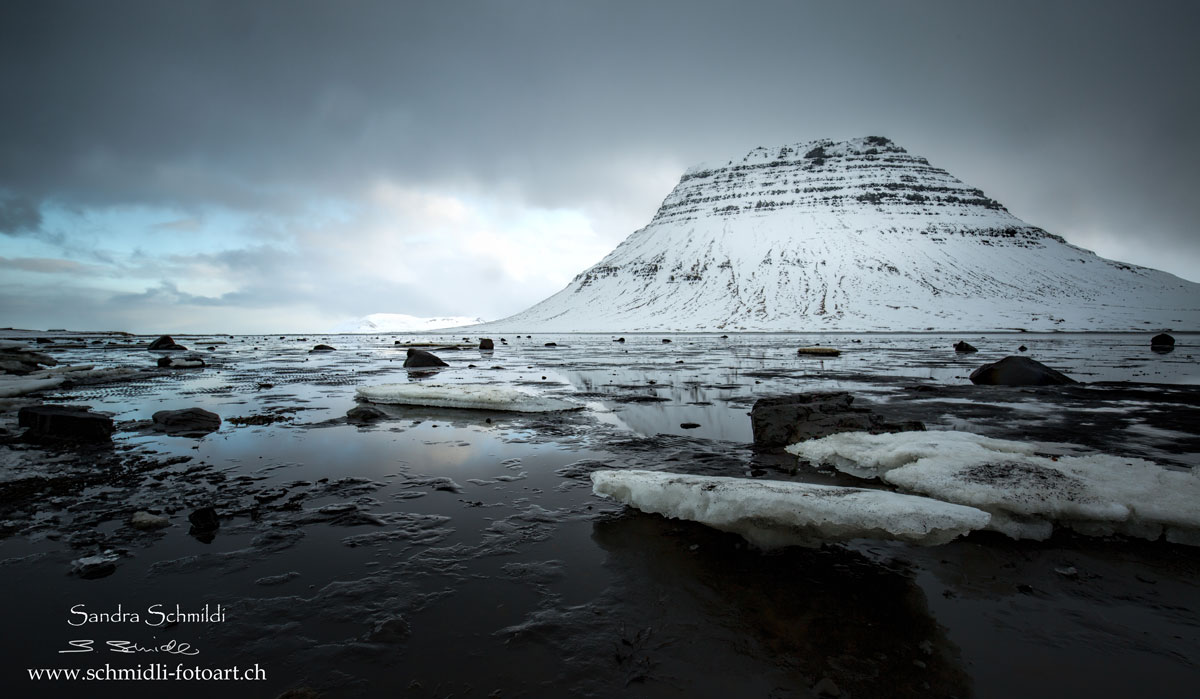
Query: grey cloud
[1079,116]
[19,215]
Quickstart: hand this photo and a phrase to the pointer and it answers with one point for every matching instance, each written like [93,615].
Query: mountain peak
[854,235]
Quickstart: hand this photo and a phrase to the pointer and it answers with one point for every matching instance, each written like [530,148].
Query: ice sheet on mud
[473,396]
[1026,493]
[773,514]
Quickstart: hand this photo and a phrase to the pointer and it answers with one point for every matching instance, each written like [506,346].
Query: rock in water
[204,520]
[486,344]
[1162,343]
[146,521]
[189,362]
[322,348]
[67,422]
[1018,371]
[364,413]
[165,343]
[963,347]
[783,420]
[189,422]
[420,358]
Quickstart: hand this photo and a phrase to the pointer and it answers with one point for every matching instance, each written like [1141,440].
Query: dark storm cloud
[1077,115]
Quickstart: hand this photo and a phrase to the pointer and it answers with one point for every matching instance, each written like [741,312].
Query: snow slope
[851,236]
[399,322]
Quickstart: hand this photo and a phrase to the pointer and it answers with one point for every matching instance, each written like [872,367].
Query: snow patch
[463,395]
[773,514]
[399,322]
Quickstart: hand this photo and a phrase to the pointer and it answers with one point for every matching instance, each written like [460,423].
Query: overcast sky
[285,166]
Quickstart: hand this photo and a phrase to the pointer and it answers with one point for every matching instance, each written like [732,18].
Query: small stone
[146,521]
[365,413]
[189,422]
[322,348]
[826,688]
[1022,348]
[963,347]
[98,566]
[689,425]
[204,520]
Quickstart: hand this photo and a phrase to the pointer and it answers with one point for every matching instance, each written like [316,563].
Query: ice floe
[773,514]
[1027,494]
[475,396]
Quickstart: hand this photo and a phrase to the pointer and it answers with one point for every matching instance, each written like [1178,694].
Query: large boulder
[784,420]
[420,358]
[486,344]
[1018,371]
[189,422]
[1162,343]
[322,348]
[75,423]
[165,343]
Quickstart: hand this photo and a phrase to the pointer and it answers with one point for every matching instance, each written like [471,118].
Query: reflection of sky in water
[480,574]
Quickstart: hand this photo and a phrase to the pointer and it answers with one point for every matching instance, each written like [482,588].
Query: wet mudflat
[441,552]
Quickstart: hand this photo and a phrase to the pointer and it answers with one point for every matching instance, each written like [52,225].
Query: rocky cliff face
[857,235]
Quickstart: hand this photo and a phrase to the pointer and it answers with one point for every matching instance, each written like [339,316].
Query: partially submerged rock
[322,348]
[819,351]
[188,362]
[1162,343]
[773,514]
[1018,371]
[420,358]
[204,520]
[782,420]
[189,422]
[365,413]
[65,422]
[463,395]
[961,346]
[147,522]
[165,343]
[486,344]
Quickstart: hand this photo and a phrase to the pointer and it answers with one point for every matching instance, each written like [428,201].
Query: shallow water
[461,553]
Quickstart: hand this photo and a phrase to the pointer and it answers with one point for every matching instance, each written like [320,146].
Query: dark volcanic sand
[459,553]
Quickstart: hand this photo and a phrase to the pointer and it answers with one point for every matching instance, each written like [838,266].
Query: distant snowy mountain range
[858,235]
[399,322]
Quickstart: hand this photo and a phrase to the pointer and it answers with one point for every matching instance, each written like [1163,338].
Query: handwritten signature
[172,647]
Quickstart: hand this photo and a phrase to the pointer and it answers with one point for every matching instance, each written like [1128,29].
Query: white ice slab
[772,514]
[11,386]
[1027,494]
[475,396]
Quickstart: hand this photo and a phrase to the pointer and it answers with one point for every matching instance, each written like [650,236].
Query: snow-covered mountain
[856,235]
[399,323]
